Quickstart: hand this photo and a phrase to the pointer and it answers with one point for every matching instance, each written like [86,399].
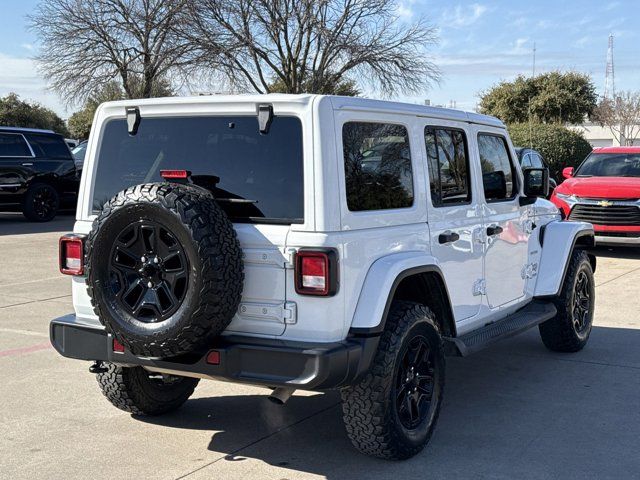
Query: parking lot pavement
[512,411]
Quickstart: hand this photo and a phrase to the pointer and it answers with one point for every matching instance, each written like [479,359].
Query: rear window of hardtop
[258,177]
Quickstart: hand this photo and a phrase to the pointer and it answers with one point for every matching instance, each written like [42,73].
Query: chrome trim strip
[613,201]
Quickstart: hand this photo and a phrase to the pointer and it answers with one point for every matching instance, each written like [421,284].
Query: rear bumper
[268,362]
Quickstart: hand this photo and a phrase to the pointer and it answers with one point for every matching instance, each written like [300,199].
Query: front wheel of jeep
[138,391]
[569,330]
[392,412]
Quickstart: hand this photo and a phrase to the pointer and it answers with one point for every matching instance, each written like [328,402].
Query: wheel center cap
[149,270]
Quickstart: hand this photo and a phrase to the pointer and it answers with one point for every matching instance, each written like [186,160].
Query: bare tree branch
[311,45]
[86,45]
[621,116]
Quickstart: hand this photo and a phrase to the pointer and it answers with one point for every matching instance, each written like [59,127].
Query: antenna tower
[609,79]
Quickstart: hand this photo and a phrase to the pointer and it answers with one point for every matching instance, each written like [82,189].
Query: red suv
[605,191]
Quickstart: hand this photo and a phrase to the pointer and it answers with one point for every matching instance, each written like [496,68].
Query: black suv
[38,176]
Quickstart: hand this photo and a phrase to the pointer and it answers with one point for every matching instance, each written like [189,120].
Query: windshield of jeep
[260,176]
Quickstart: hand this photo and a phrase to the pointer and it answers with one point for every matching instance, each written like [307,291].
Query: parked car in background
[605,191]
[78,154]
[38,176]
[530,158]
[71,143]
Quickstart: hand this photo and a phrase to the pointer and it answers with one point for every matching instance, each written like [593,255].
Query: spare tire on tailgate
[164,268]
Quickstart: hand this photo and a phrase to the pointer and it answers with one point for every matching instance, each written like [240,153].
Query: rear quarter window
[13,145]
[256,178]
[377,166]
[51,146]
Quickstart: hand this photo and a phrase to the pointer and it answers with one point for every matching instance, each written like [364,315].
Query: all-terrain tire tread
[368,422]
[222,267]
[558,334]
[122,387]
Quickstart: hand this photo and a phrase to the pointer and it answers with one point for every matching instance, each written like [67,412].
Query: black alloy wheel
[148,271]
[581,302]
[392,411]
[41,203]
[570,329]
[164,269]
[415,383]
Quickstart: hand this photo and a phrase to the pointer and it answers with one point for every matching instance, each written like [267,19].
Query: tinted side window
[377,165]
[13,145]
[51,146]
[498,172]
[448,166]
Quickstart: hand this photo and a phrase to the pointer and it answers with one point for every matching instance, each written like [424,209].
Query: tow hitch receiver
[97,367]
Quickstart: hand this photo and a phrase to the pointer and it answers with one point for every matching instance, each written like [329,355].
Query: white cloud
[520,46]
[405,10]
[583,41]
[28,46]
[20,76]
[463,16]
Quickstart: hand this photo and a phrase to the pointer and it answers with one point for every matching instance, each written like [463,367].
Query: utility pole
[533,70]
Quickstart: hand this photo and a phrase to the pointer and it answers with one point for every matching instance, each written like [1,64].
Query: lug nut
[150,284]
[155,260]
[143,259]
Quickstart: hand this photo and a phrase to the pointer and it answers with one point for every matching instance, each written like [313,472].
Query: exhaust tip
[275,400]
[280,395]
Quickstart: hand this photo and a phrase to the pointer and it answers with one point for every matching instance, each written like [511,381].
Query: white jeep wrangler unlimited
[312,242]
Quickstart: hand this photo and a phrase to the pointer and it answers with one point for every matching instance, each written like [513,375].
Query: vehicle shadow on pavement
[16,224]
[631,253]
[513,411]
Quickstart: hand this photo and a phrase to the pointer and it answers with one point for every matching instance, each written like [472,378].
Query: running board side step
[533,314]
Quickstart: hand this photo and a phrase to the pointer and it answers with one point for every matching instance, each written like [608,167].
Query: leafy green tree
[560,146]
[553,97]
[18,113]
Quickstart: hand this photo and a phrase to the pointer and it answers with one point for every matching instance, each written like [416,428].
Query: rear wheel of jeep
[164,269]
[393,411]
[569,330]
[137,391]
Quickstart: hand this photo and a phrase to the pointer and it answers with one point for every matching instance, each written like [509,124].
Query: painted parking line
[22,350]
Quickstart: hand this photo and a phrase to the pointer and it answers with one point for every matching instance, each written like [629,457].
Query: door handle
[494,230]
[448,237]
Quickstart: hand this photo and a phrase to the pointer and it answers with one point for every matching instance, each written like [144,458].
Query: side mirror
[567,172]
[536,182]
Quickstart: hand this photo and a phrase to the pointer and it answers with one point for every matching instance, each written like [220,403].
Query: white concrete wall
[598,136]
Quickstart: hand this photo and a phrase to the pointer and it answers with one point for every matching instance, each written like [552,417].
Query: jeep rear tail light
[72,254]
[316,272]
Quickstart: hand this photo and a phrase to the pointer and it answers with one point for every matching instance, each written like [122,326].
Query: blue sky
[481,43]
